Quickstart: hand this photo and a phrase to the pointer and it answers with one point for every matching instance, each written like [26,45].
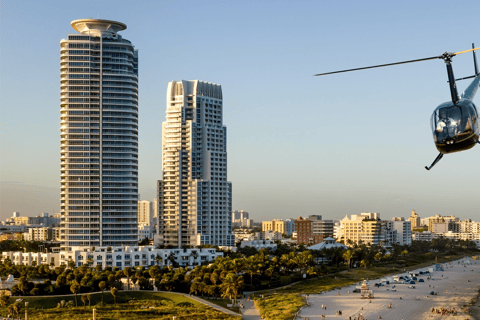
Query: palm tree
[194,254]
[114,291]
[231,285]
[84,300]
[102,285]
[251,267]
[237,265]
[11,309]
[127,271]
[348,255]
[75,288]
[22,284]
[201,287]
[4,298]
[211,290]
[158,259]
[214,277]
[17,307]
[194,287]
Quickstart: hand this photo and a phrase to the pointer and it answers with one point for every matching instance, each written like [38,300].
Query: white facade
[31,258]
[259,244]
[240,214]
[145,231]
[441,227]
[194,197]
[289,227]
[403,232]
[120,257]
[243,223]
[272,235]
[99,136]
[422,236]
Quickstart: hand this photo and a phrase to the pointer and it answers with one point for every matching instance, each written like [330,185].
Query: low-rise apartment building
[120,257]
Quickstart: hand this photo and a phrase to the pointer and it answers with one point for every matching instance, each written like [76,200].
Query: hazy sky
[297,144]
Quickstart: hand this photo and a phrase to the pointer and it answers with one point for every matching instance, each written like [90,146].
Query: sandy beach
[455,287]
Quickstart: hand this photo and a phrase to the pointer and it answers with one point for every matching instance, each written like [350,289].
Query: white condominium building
[403,232]
[194,197]
[240,214]
[99,136]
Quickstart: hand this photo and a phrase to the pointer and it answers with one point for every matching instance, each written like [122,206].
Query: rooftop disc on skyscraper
[100,26]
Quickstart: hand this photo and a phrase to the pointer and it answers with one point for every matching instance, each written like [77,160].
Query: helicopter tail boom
[471,90]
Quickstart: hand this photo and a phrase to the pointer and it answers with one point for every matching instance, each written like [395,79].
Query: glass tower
[194,197]
[98,136]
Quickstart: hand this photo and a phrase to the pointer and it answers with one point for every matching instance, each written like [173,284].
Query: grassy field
[283,303]
[279,306]
[144,305]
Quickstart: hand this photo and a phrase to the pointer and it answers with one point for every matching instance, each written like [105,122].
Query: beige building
[414,220]
[274,225]
[440,227]
[144,212]
[365,228]
[38,234]
[440,219]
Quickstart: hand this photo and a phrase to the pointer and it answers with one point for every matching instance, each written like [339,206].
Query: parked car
[421,280]
[356,291]
[412,282]
[411,287]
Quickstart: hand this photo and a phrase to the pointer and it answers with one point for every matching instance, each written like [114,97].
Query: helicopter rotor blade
[381,65]
[469,50]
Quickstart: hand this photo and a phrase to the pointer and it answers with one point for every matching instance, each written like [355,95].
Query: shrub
[284,280]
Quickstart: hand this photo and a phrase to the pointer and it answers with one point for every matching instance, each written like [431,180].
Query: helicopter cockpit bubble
[446,123]
[454,126]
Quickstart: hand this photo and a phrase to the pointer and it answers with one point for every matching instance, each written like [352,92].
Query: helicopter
[455,124]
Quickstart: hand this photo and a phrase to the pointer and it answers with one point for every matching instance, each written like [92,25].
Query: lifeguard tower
[365,291]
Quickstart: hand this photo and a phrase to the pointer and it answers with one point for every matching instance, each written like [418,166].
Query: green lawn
[130,305]
[279,306]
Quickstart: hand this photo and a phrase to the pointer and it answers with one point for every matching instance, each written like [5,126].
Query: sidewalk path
[206,302]
[250,312]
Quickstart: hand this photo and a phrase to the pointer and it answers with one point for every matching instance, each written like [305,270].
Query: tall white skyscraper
[99,136]
[194,197]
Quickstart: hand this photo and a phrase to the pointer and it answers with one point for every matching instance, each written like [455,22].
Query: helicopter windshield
[446,122]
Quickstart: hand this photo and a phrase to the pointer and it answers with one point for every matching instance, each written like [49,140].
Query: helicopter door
[446,124]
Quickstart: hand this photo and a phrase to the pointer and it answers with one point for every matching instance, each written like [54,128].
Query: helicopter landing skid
[439,157]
